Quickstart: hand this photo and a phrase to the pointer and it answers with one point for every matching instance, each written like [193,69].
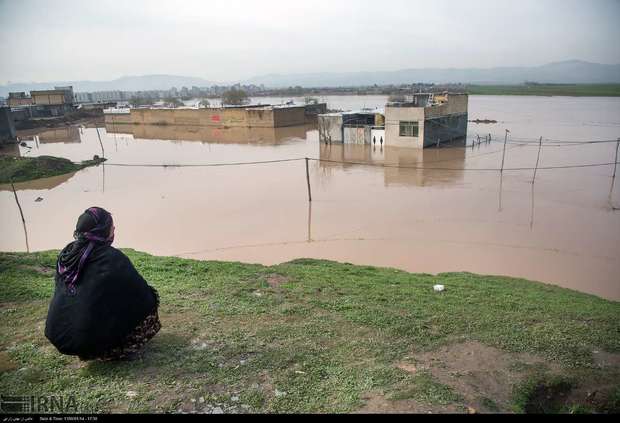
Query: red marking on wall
[215,118]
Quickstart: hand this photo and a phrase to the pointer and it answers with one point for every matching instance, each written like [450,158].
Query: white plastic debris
[439,288]
[280,393]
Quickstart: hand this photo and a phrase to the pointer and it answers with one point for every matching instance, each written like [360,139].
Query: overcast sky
[232,40]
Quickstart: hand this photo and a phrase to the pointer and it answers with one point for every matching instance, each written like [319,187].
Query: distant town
[19,99]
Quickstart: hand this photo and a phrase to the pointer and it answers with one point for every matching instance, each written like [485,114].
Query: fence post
[489,137]
[504,152]
[100,143]
[616,161]
[478,139]
[537,158]
[22,216]
[308,181]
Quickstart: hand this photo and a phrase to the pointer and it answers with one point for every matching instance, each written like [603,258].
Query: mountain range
[572,71]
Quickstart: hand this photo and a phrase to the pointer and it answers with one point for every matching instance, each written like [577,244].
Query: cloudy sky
[228,40]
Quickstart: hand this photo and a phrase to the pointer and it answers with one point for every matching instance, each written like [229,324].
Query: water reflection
[399,162]
[69,134]
[205,134]
[39,184]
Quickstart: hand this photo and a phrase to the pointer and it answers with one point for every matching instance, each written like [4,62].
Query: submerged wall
[250,117]
[231,135]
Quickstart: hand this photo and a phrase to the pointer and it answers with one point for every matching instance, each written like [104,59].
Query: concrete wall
[330,128]
[289,116]
[457,103]
[7,129]
[17,102]
[232,135]
[47,99]
[393,117]
[446,122]
[23,113]
[228,117]
[50,110]
[117,118]
[445,128]
[314,110]
[357,134]
[261,118]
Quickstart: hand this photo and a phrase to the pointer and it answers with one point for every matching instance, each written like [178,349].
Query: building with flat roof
[57,96]
[19,99]
[352,127]
[50,103]
[251,116]
[420,121]
[426,120]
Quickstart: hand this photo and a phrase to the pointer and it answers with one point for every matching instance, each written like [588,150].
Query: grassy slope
[20,169]
[329,334]
[577,90]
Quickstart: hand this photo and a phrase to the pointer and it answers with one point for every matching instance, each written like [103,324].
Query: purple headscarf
[92,231]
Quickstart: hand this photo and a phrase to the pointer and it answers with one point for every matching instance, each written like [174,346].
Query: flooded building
[50,103]
[257,116]
[420,121]
[349,127]
[426,120]
[19,99]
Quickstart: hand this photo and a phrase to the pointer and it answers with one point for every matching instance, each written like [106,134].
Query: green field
[573,90]
[21,169]
[320,336]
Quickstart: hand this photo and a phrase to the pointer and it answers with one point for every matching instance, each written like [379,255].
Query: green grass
[573,90]
[319,342]
[21,169]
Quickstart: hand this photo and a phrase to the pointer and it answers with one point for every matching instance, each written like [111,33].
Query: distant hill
[125,83]
[574,72]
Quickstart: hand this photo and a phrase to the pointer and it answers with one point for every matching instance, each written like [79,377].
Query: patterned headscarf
[92,231]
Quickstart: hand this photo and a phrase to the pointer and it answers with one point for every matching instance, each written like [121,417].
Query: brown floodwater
[563,230]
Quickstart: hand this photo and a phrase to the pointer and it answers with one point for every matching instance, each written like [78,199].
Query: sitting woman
[102,308]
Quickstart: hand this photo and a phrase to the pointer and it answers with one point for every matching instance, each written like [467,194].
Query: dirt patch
[275,280]
[547,398]
[484,376]
[6,364]
[378,404]
[605,359]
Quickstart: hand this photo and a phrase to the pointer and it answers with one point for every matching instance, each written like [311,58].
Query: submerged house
[247,116]
[51,103]
[422,120]
[349,127]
